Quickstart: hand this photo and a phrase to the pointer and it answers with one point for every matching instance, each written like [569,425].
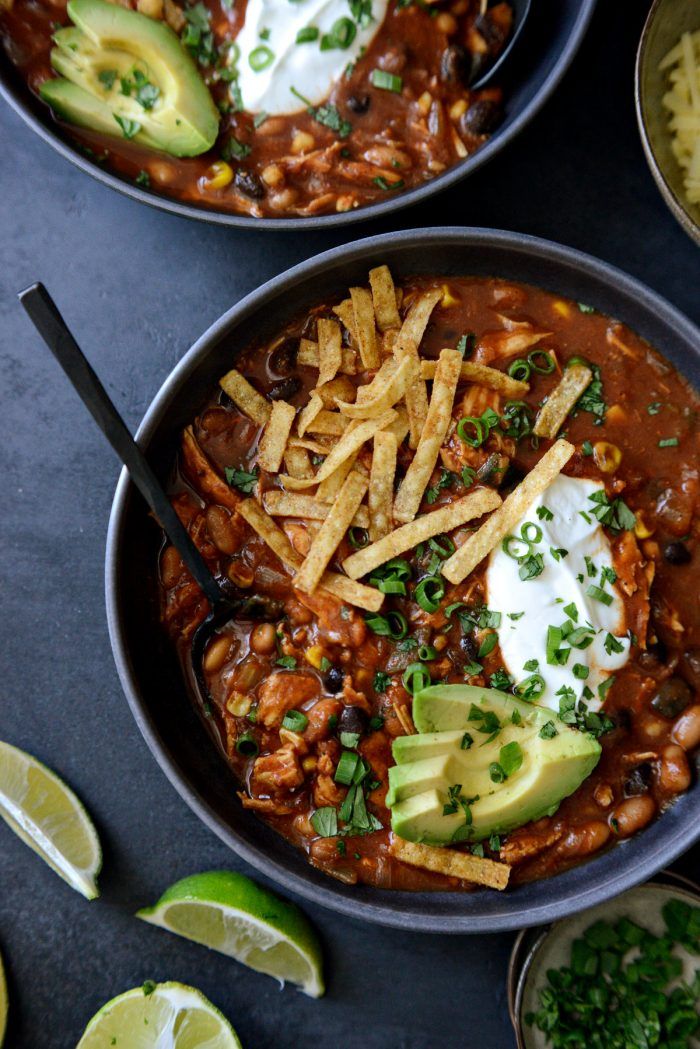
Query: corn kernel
[606,456]
[457,108]
[446,23]
[651,549]
[302,142]
[642,529]
[239,704]
[448,298]
[315,656]
[345,202]
[460,148]
[218,175]
[425,102]
[562,308]
[615,414]
[309,764]
[272,175]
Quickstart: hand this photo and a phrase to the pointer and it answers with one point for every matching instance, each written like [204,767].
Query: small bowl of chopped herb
[625,974]
[667,94]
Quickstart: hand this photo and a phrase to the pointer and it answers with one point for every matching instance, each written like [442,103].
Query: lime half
[49,818]
[231,914]
[159,1016]
[4,1003]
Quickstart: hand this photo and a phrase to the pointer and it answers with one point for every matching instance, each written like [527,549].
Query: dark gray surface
[137,287]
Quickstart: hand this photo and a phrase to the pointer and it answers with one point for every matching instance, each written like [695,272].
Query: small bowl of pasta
[667,92]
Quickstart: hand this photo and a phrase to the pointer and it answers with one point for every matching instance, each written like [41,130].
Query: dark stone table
[138,286]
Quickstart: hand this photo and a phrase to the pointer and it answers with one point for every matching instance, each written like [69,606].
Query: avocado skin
[429,763]
[183,122]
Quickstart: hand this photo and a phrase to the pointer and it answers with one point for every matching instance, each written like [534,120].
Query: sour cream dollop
[271,62]
[550,599]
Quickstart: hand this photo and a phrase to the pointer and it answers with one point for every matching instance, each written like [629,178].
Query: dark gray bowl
[540,58]
[146,664]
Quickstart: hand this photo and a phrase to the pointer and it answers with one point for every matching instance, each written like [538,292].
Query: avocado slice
[125,74]
[442,788]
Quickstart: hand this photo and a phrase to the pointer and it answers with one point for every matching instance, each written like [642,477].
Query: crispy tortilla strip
[384,394]
[297,462]
[330,351]
[404,718]
[482,542]
[341,387]
[308,355]
[311,446]
[406,345]
[246,397]
[351,441]
[331,532]
[454,864]
[384,298]
[274,439]
[484,376]
[330,423]
[203,475]
[380,494]
[424,527]
[561,400]
[410,494]
[309,413]
[296,504]
[340,586]
[328,489]
[363,312]
[345,312]
[400,426]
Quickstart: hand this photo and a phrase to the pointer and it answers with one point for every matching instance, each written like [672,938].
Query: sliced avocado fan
[483,763]
[127,75]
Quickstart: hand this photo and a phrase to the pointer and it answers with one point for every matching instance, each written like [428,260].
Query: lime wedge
[159,1016]
[4,1003]
[231,914]
[48,817]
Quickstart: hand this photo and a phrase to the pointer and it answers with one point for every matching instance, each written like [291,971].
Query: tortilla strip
[345,312]
[482,542]
[400,426]
[329,423]
[410,494]
[404,718]
[331,532]
[340,586]
[385,393]
[309,413]
[406,345]
[311,446]
[308,355]
[417,531]
[275,435]
[561,400]
[380,494]
[330,351]
[297,462]
[202,474]
[341,387]
[363,312]
[357,434]
[384,298]
[484,376]
[464,865]
[328,490]
[246,397]
[296,504]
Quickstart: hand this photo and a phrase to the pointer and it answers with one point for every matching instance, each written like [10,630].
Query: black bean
[455,65]
[677,553]
[638,780]
[285,389]
[248,182]
[481,118]
[690,666]
[352,719]
[672,698]
[653,655]
[493,34]
[283,358]
[469,646]
[359,103]
[334,680]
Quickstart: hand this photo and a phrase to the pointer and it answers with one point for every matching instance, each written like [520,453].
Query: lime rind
[154,1016]
[231,914]
[29,791]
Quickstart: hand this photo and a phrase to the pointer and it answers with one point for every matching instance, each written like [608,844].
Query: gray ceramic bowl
[667,21]
[149,672]
[542,54]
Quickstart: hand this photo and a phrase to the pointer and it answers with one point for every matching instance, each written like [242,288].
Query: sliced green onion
[541,361]
[358,537]
[343,32]
[387,81]
[429,593]
[599,594]
[530,536]
[520,369]
[442,545]
[347,766]
[426,653]
[515,547]
[392,625]
[295,721]
[531,688]
[260,58]
[307,35]
[247,745]
[478,438]
[415,678]
[577,360]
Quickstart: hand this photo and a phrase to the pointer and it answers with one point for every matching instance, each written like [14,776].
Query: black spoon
[223,606]
[521,10]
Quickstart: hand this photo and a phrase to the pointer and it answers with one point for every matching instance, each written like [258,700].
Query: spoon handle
[53,329]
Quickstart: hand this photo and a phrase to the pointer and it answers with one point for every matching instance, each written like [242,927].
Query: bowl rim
[671,198]
[48,131]
[602,885]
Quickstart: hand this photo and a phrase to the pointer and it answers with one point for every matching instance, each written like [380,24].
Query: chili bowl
[146,660]
[540,57]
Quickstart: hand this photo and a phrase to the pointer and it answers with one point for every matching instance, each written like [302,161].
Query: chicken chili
[465,514]
[261,107]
